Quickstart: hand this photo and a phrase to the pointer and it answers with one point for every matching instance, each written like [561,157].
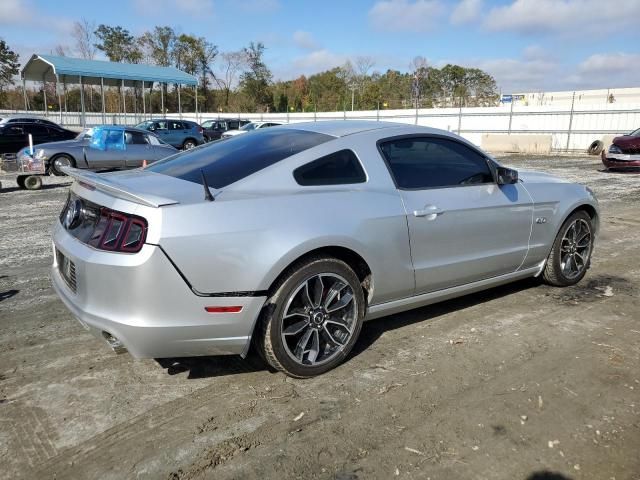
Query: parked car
[624,152]
[123,148]
[288,238]
[249,127]
[213,129]
[182,134]
[15,135]
[27,119]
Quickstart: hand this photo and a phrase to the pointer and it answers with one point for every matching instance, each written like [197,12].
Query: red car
[624,152]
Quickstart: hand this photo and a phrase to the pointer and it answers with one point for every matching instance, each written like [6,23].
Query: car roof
[342,128]
[26,117]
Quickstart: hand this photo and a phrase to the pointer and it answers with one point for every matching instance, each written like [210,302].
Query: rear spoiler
[93,181]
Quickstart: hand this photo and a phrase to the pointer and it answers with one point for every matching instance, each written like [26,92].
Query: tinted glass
[173,125]
[434,162]
[207,124]
[135,138]
[227,162]
[35,129]
[339,168]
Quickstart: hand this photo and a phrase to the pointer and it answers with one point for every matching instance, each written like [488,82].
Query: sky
[527,45]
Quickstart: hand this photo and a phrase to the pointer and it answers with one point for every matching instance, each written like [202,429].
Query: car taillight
[103,228]
[117,231]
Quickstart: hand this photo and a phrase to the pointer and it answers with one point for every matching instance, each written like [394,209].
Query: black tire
[595,148]
[554,272]
[59,161]
[189,143]
[269,332]
[33,182]
[206,139]
[20,181]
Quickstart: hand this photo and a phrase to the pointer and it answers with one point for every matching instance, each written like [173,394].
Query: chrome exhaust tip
[115,344]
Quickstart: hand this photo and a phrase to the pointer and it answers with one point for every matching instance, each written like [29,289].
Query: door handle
[429,211]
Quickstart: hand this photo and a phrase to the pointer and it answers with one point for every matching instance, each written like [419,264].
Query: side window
[35,129]
[339,168]
[135,138]
[160,125]
[153,140]
[233,125]
[173,125]
[417,163]
[13,130]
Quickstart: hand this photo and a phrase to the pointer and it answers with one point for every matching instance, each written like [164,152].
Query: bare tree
[83,35]
[363,64]
[419,68]
[229,66]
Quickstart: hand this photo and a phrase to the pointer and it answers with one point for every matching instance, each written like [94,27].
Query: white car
[249,127]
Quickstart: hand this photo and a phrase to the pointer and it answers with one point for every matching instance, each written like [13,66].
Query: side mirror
[506,176]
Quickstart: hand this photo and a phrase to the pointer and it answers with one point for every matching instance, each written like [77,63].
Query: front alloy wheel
[571,252]
[313,319]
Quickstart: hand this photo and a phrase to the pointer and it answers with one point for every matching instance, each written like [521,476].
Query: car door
[38,132]
[108,152]
[177,133]
[138,149]
[463,226]
[161,128]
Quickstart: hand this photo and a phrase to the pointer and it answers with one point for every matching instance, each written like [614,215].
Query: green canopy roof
[69,70]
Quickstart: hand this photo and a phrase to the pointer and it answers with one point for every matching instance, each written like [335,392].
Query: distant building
[582,97]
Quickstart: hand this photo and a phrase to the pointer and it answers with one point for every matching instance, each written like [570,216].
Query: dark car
[213,129]
[624,152]
[27,119]
[15,135]
[177,133]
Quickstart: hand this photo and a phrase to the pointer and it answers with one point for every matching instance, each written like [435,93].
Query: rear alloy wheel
[188,144]
[311,322]
[570,255]
[59,162]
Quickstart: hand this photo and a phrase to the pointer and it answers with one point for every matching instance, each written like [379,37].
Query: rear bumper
[141,300]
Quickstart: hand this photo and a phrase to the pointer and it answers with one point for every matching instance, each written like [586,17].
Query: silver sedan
[287,239]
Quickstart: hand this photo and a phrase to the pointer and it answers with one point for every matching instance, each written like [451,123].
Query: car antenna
[207,192]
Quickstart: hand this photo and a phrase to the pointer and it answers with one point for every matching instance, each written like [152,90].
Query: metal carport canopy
[53,68]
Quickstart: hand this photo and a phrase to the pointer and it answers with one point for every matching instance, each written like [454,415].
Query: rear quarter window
[339,168]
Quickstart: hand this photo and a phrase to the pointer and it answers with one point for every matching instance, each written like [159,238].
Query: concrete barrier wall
[517,143]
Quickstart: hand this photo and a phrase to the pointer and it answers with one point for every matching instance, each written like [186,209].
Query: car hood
[531,176]
[61,144]
[627,142]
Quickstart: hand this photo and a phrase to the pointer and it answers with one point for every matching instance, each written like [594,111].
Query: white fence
[570,129]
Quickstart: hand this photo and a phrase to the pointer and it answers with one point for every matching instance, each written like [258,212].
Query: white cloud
[607,70]
[405,15]
[318,61]
[191,8]
[466,11]
[13,11]
[305,40]
[563,16]
[258,6]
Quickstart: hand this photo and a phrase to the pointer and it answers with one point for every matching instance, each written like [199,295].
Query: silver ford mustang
[288,238]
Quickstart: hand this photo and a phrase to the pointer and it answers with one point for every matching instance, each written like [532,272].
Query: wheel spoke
[335,289]
[580,266]
[296,327]
[306,296]
[333,340]
[302,344]
[341,303]
[296,312]
[314,350]
[567,265]
[584,240]
[318,290]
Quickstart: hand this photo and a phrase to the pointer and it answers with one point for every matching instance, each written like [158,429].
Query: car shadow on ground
[218,366]
[373,330]
[547,475]
[8,294]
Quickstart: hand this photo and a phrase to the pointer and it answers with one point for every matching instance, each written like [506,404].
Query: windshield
[249,126]
[208,123]
[86,133]
[635,133]
[145,125]
[228,161]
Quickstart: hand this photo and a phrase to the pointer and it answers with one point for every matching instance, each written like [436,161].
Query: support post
[59,100]
[196,90]
[83,121]
[144,104]
[573,98]
[44,94]
[24,94]
[124,104]
[179,103]
[102,97]
[460,117]
[162,99]
[510,116]
[150,103]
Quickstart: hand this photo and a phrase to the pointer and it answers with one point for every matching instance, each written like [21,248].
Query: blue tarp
[50,66]
[108,138]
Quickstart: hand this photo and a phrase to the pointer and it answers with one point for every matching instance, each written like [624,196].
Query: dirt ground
[519,382]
